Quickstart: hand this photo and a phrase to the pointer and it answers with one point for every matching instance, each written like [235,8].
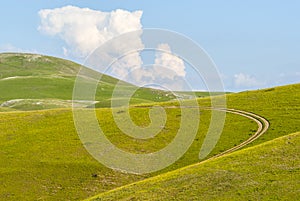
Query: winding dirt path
[262,124]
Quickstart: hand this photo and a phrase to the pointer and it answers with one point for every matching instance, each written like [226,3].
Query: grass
[49,141]
[279,105]
[29,76]
[269,171]
[41,156]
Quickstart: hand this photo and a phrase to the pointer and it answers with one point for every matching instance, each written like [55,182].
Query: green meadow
[42,157]
[268,171]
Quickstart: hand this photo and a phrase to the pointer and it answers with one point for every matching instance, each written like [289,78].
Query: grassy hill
[269,171]
[30,82]
[279,105]
[41,156]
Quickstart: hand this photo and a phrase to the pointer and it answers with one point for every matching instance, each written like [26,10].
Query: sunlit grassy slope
[42,157]
[35,82]
[269,171]
[272,174]
[279,105]
[30,82]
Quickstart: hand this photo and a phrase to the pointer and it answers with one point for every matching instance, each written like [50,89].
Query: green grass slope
[269,171]
[26,79]
[279,105]
[42,157]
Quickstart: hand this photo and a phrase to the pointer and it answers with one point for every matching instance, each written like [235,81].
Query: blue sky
[255,44]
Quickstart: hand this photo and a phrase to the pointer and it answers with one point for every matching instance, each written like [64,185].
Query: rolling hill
[42,157]
[30,82]
[269,171]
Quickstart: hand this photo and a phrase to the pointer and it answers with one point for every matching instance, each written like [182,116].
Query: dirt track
[262,124]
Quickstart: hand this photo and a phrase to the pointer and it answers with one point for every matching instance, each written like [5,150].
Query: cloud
[83,29]
[167,71]
[242,80]
[118,59]
[288,78]
[166,59]
[11,48]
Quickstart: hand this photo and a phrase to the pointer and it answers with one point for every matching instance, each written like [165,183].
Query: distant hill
[30,81]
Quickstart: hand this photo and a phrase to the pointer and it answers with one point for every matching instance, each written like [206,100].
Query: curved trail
[262,124]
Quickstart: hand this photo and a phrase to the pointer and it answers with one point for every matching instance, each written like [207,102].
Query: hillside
[269,179]
[42,157]
[42,148]
[279,105]
[269,171]
[30,82]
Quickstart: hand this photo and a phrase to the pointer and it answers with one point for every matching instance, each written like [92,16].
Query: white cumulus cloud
[167,71]
[242,80]
[84,29]
[166,59]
